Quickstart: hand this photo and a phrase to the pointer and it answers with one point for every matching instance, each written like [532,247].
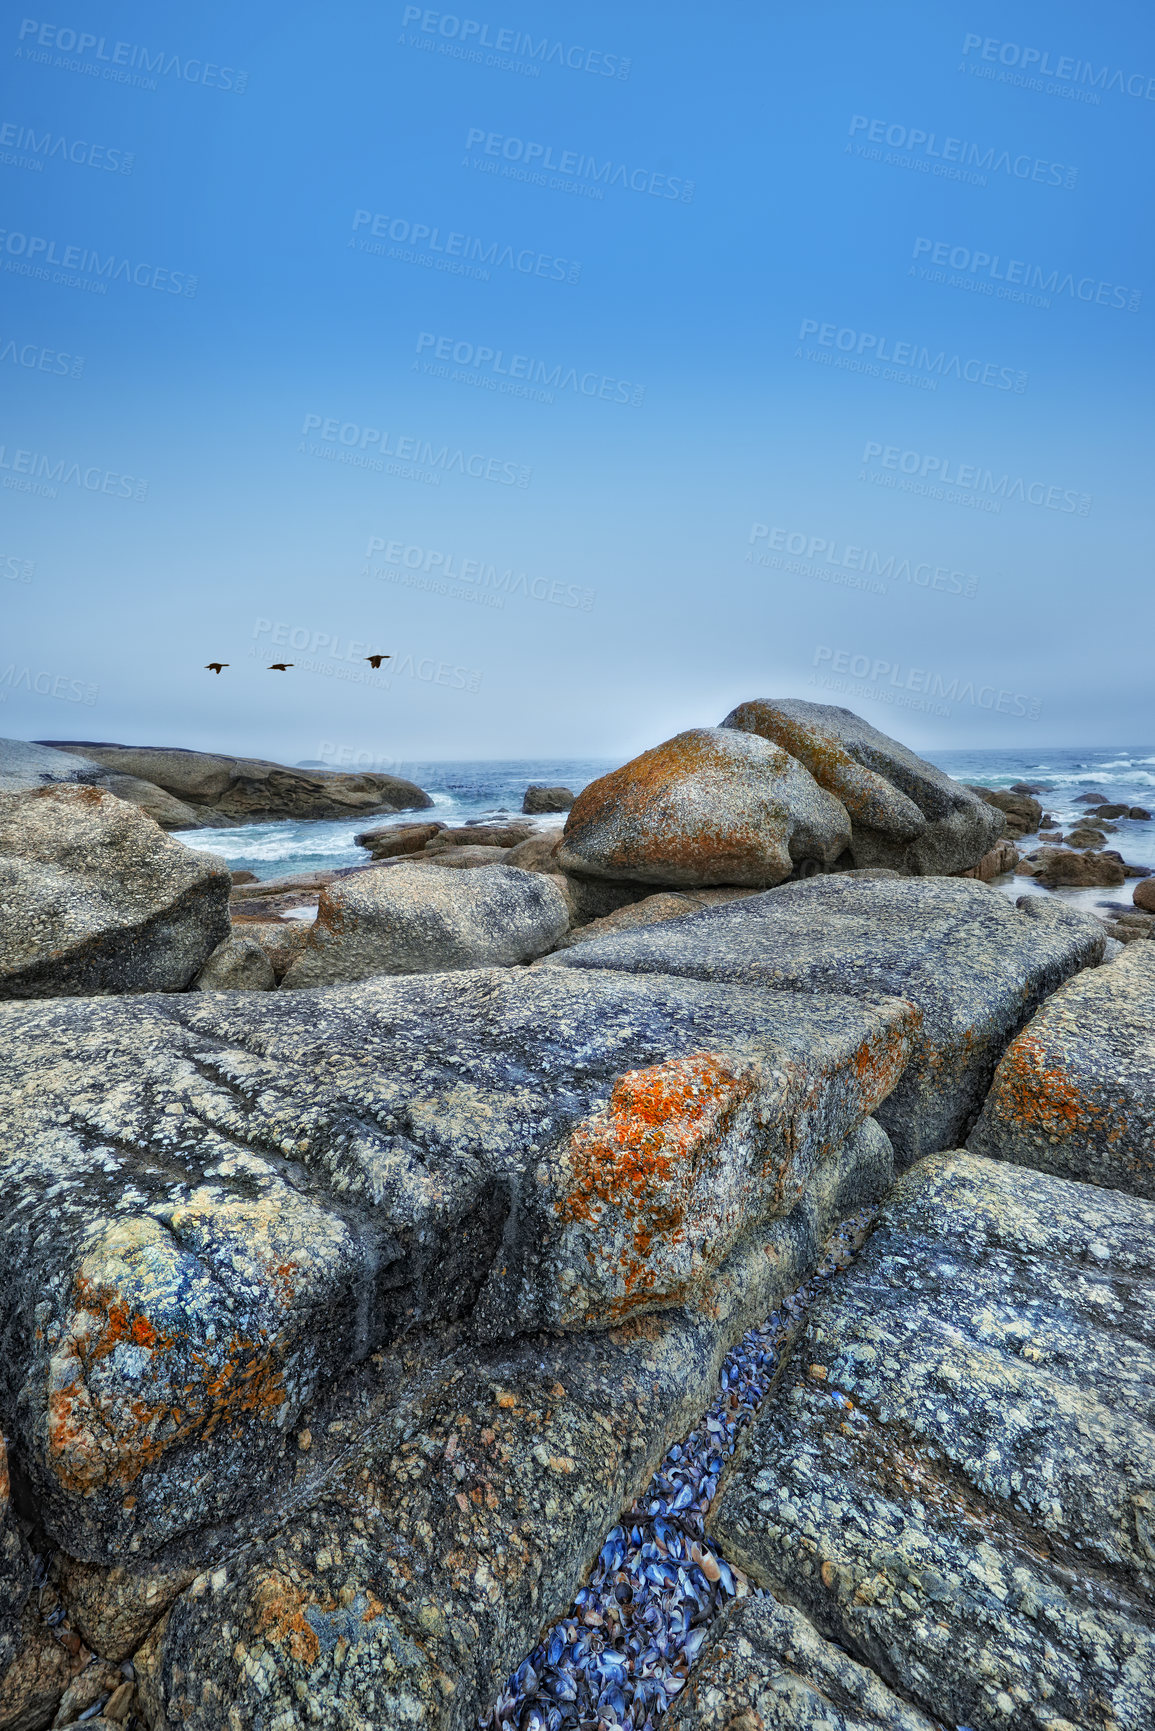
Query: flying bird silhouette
[215,666]
[279,666]
[376,660]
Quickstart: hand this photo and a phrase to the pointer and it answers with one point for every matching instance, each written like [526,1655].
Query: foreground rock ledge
[218,1204]
[975,966]
[955,1477]
[1075,1093]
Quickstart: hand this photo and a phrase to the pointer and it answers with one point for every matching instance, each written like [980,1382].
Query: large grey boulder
[409,919]
[1074,1094]
[765,1667]
[954,1478]
[239,964]
[437,1527]
[975,966]
[707,807]
[224,789]
[25,765]
[904,813]
[218,1204]
[95,899]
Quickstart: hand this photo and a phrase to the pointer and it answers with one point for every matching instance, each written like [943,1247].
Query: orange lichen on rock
[99,1436]
[641,1158]
[280,1618]
[1044,1098]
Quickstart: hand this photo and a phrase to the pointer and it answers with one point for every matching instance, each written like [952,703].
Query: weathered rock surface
[13,1568]
[281,940]
[1074,1094]
[538,853]
[95,899]
[25,765]
[219,1203]
[239,964]
[412,920]
[710,806]
[405,838]
[1023,814]
[539,798]
[1003,857]
[904,812]
[250,789]
[955,1477]
[153,801]
[504,835]
[466,858]
[457,1520]
[1143,895]
[666,905]
[766,1668]
[975,966]
[1056,868]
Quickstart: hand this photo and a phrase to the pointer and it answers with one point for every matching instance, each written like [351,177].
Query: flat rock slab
[215,1204]
[1074,1094]
[955,1477]
[766,1668]
[404,1588]
[25,765]
[975,967]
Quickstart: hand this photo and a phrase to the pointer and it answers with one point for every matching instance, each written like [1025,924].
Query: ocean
[464,792]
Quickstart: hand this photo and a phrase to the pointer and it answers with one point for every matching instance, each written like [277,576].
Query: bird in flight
[215,666]
[279,666]
[376,660]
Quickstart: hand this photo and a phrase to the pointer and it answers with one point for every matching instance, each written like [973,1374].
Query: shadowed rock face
[1075,1093]
[953,1479]
[766,1668]
[412,920]
[96,899]
[217,1204]
[13,1569]
[904,813]
[707,807]
[975,966]
[460,1515]
[250,789]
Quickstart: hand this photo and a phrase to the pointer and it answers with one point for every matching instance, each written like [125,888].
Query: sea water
[464,792]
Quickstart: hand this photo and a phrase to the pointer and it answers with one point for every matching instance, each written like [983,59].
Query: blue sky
[604,366]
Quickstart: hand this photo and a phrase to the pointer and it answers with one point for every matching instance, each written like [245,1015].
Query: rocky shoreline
[688,1265]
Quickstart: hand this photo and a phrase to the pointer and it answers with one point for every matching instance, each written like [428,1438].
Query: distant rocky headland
[687,1264]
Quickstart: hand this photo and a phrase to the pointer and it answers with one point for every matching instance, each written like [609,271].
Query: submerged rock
[975,966]
[413,920]
[707,807]
[953,1478]
[96,899]
[904,812]
[1074,1094]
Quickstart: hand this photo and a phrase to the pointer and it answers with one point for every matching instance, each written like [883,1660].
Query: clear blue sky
[845,312]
